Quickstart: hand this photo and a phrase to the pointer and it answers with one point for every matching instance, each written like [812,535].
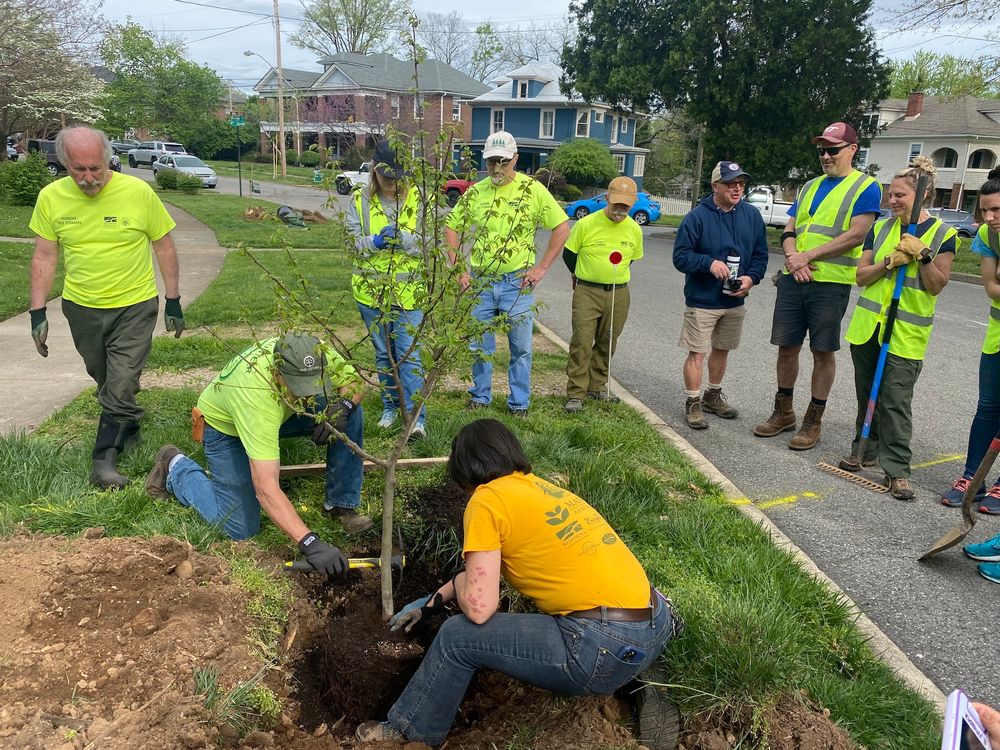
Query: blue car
[644,211]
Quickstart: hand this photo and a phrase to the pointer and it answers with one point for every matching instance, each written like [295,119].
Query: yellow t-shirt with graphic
[594,238]
[554,547]
[105,239]
[244,402]
[501,222]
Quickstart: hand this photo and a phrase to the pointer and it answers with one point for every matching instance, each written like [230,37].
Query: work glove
[39,330]
[337,415]
[895,259]
[911,246]
[325,558]
[415,611]
[173,316]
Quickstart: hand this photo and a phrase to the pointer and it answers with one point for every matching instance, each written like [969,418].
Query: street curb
[878,641]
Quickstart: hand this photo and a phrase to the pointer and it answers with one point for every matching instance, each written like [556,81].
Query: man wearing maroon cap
[822,243]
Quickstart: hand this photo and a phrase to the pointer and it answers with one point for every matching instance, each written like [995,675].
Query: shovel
[353,563]
[957,534]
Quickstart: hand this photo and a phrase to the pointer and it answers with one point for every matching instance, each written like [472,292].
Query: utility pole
[281,91]
[699,157]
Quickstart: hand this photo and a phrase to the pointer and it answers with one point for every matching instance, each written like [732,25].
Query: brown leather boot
[808,434]
[781,420]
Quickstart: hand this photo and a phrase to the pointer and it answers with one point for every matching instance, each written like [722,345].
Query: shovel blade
[949,540]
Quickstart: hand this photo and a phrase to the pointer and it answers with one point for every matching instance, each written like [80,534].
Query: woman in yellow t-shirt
[600,623]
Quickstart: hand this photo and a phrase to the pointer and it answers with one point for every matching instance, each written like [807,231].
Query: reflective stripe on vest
[915,314]
[387,273]
[832,219]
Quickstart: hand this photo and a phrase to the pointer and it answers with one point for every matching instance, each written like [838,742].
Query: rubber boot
[808,434]
[133,437]
[781,420]
[110,440]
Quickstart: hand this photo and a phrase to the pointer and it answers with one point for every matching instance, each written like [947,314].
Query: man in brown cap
[822,243]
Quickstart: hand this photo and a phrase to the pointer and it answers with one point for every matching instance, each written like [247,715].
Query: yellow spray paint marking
[941,460]
[787,500]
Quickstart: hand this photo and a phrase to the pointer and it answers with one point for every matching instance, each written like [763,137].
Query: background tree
[363,26]
[584,161]
[671,139]
[157,88]
[763,77]
[943,75]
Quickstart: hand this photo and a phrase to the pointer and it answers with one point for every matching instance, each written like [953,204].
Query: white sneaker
[388,419]
[419,431]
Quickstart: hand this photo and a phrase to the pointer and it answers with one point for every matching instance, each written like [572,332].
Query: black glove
[324,557]
[39,330]
[173,316]
[337,415]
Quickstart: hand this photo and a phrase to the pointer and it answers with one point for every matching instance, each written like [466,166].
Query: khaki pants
[595,336]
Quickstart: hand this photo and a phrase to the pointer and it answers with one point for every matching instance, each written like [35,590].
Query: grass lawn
[300,176]
[15,264]
[224,214]
[757,625]
[14,221]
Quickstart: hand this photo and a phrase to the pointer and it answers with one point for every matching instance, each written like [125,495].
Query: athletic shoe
[472,405]
[573,405]
[953,497]
[419,431]
[991,501]
[988,551]
[990,571]
[659,718]
[388,418]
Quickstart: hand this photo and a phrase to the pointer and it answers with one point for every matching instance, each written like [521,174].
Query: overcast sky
[217,37]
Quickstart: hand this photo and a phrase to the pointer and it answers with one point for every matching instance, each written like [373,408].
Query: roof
[538,70]
[548,144]
[945,115]
[379,72]
[550,93]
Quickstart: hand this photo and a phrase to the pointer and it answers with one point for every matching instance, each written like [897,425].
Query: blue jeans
[397,332]
[986,423]
[503,296]
[567,655]
[228,500]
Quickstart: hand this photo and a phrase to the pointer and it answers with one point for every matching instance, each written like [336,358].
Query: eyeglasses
[831,150]
[494,161]
[736,183]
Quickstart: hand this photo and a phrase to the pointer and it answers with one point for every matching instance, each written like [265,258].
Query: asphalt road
[941,613]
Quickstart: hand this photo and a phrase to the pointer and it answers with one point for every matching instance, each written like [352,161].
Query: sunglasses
[496,160]
[831,150]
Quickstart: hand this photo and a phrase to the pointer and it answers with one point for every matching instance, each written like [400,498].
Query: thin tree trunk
[699,157]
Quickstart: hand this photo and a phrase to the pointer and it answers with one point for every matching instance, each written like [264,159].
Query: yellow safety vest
[915,316]
[991,344]
[832,218]
[386,274]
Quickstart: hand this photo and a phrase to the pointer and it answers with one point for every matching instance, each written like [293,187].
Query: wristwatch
[925,259]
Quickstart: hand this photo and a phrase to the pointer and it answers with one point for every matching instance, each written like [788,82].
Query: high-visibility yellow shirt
[595,238]
[105,239]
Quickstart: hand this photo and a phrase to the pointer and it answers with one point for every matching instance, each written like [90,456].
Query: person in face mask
[498,217]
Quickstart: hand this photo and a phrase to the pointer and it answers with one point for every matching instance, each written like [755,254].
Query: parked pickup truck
[774,213]
[347,180]
[455,189]
[149,151]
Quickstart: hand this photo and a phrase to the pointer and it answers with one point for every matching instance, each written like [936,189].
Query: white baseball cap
[500,144]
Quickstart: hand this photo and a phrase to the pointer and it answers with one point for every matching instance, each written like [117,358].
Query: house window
[862,162]
[583,123]
[496,122]
[522,90]
[639,165]
[614,128]
[945,158]
[456,111]
[624,125]
[982,159]
[915,150]
[620,161]
[394,103]
[418,106]
[548,126]
[598,115]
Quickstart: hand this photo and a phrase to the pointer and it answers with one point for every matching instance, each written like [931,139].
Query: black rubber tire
[343,187]
[581,212]
[453,195]
[52,169]
[131,161]
[641,218]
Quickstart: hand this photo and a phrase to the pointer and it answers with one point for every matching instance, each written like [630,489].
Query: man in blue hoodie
[721,226]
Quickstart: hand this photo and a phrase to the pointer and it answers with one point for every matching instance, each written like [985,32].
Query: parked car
[774,212]
[455,189]
[188,165]
[54,166]
[123,147]
[149,151]
[346,180]
[643,211]
[962,221]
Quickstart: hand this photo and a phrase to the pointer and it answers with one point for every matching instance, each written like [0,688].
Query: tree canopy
[156,87]
[943,75]
[762,77]
[584,161]
[363,26]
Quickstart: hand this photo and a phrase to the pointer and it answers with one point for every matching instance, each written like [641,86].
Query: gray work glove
[415,611]
[173,316]
[325,558]
[39,330]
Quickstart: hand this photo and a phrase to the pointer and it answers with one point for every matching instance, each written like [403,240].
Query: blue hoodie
[708,233]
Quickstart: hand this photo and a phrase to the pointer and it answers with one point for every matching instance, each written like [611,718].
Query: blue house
[528,104]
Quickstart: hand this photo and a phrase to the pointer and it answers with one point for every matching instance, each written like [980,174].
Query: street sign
[236,121]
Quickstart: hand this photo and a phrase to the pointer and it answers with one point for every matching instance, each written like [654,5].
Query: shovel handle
[979,478]
[354,563]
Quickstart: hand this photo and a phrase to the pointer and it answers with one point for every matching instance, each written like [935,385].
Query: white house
[961,134]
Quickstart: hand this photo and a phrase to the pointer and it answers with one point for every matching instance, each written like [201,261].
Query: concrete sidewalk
[32,387]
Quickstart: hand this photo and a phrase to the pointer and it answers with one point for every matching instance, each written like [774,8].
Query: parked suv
[55,167]
[149,151]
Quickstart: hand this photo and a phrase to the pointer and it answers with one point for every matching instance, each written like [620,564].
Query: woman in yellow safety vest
[987,420]
[925,257]
[382,218]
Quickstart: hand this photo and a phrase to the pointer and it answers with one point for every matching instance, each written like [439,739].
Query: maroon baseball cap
[837,133]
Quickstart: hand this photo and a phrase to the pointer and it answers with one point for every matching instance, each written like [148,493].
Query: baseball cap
[386,162]
[837,133]
[728,171]
[623,190]
[500,144]
[302,364]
